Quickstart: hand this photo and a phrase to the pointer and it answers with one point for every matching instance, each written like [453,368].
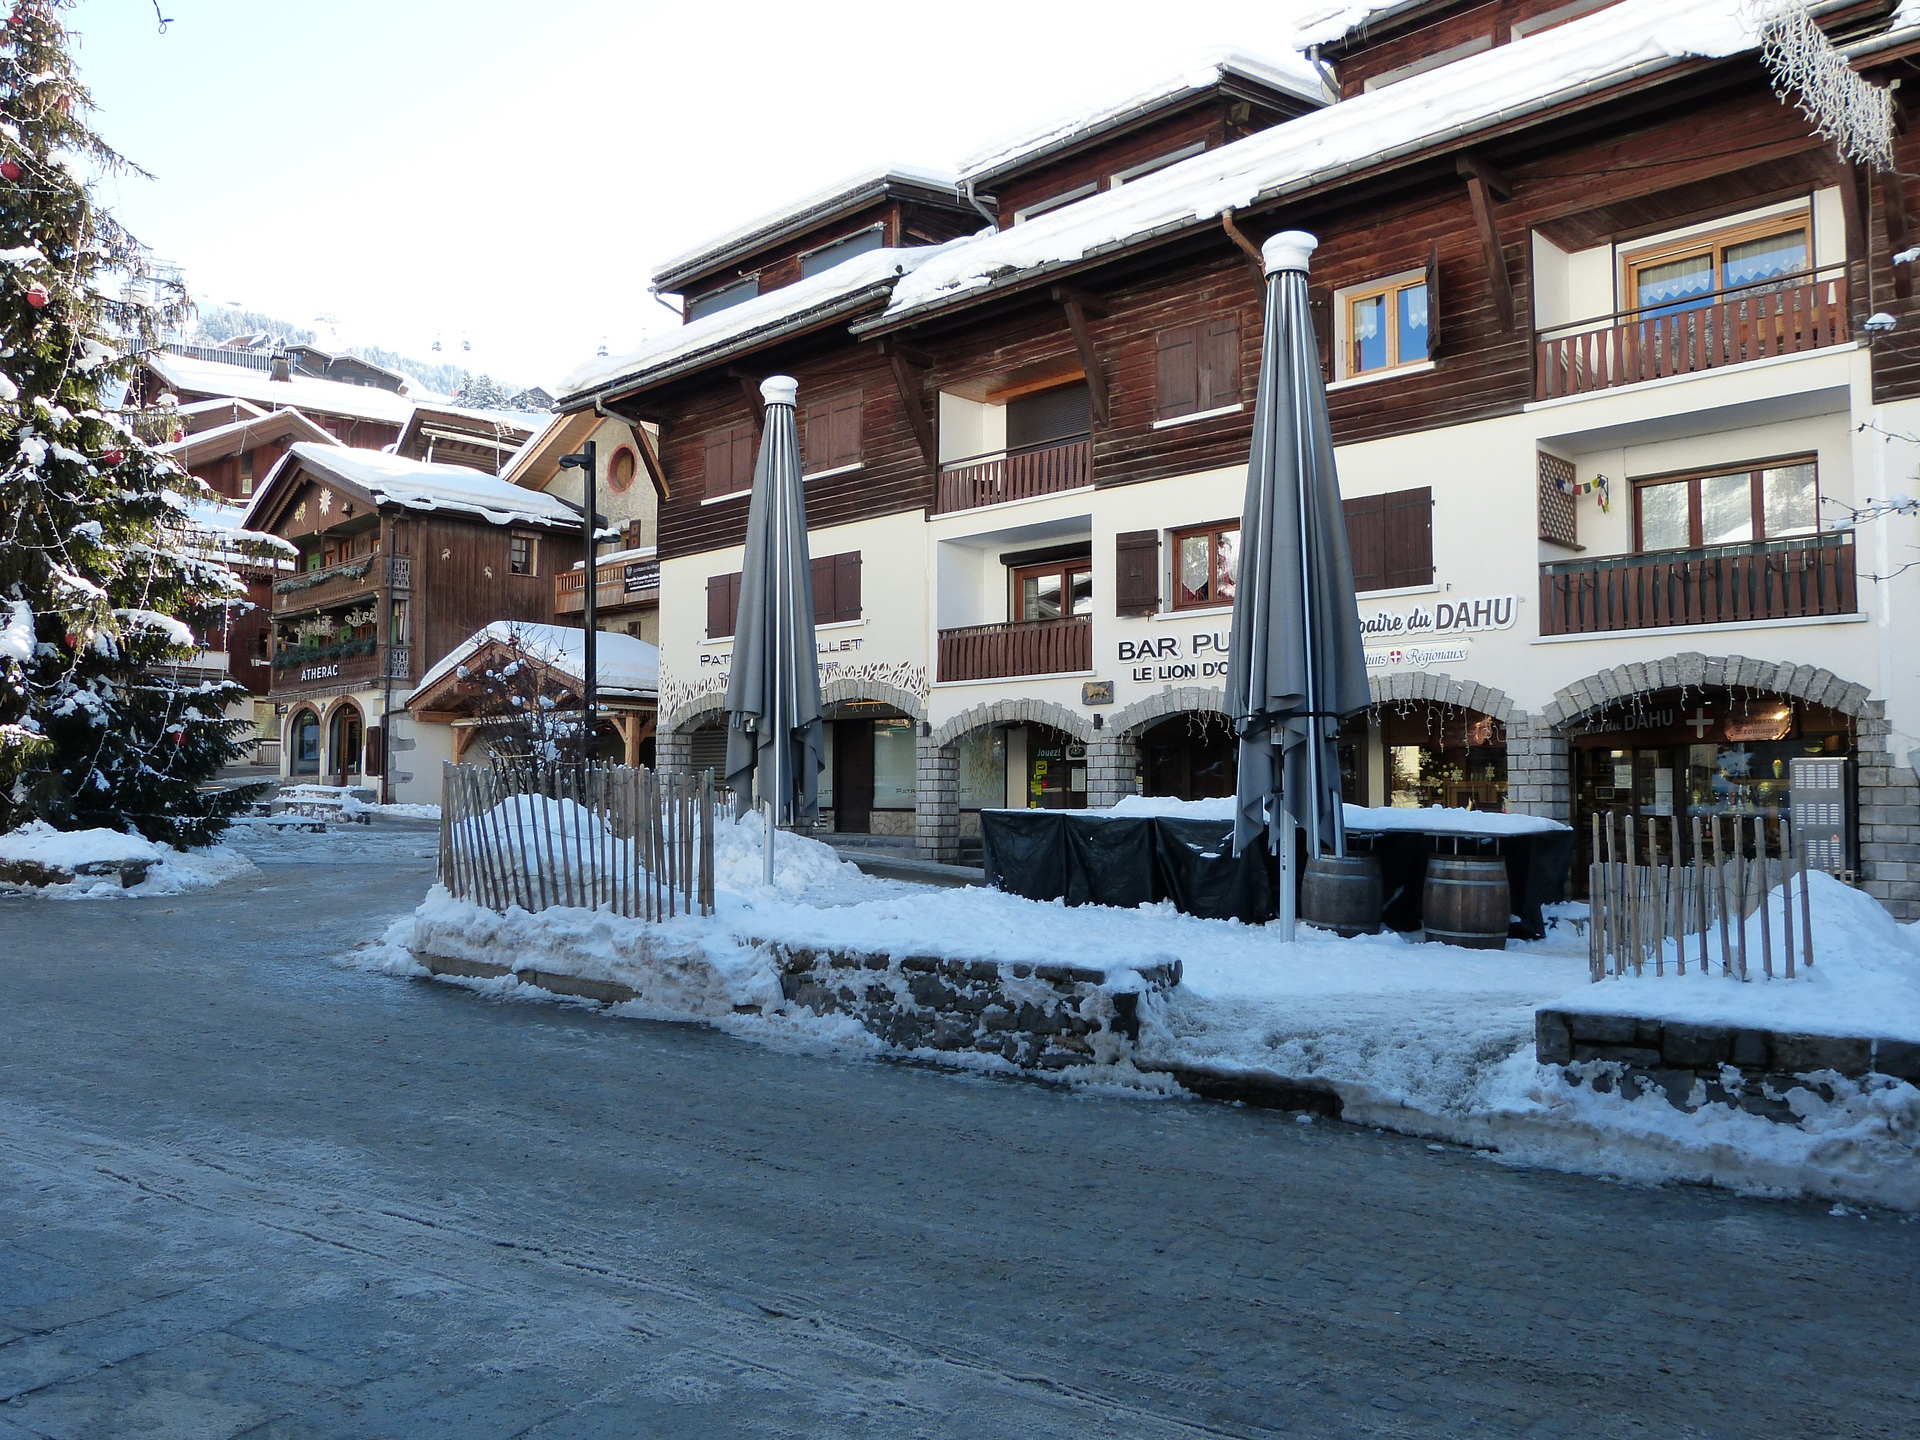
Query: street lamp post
[585,460]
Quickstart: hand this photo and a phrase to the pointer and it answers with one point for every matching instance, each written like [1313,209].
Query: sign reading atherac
[1442,617]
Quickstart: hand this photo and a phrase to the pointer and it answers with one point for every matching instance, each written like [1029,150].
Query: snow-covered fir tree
[100,572]
[482,392]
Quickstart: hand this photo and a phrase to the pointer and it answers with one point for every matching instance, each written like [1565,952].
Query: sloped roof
[389,479]
[253,429]
[326,397]
[625,666]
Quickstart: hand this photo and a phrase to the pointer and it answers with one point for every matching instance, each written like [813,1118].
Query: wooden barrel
[1343,893]
[1466,901]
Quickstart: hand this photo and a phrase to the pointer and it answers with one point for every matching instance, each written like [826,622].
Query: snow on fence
[538,835]
[1650,905]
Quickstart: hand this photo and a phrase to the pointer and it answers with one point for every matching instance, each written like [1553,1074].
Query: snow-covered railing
[537,835]
[1657,889]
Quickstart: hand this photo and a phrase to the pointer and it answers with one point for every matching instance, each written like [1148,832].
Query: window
[1054,202]
[1559,15]
[621,469]
[1205,562]
[1687,512]
[831,434]
[827,256]
[1384,326]
[729,455]
[246,473]
[1046,417]
[397,622]
[1689,274]
[836,594]
[1432,62]
[305,744]
[1159,162]
[520,555]
[1197,367]
[1053,591]
[725,298]
[1390,538]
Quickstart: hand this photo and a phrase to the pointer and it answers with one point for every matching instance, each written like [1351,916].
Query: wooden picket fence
[1649,905]
[537,835]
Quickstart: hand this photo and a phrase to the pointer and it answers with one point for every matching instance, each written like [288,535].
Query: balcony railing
[323,666]
[348,580]
[618,582]
[1020,647]
[1723,584]
[1783,316]
[1015,474]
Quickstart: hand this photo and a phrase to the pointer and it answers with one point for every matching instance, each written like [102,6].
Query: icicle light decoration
[1809,72]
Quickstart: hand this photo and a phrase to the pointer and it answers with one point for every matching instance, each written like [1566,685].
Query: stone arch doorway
[346,737]
[870,785]
[303,742]
[1003,753]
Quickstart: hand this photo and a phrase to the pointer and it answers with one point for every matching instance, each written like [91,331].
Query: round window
[621,470]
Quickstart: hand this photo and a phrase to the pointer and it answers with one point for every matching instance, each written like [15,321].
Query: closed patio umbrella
[1295,666]
[774,731]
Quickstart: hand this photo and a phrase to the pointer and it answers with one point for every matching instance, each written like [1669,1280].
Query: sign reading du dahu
[1442,617]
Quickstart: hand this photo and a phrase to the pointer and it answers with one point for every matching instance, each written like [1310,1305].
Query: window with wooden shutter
[1390,538]
[723,605]
[728,461]
[1136,585]
[833,427]
[375,762]
[1177,361]
[1433,300]
[836,588]
[1320,307]
[1219,360]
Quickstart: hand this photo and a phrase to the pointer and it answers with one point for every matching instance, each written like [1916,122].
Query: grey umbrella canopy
[775,735]
[1295,665]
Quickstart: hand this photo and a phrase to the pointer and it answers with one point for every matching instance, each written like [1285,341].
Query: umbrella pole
[777,713]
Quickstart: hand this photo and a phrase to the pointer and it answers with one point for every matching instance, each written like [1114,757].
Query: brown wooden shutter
[1408,520]
[375,762]
[846,584]
[723,604]
[1433,300]
[717,464]
[1320,306]
[1177,365]
[1136,585]
[847,415]
[746,443]
[1219,362]
[822,576]
[1367,541]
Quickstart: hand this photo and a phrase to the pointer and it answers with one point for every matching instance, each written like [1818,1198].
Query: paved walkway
[247,1192]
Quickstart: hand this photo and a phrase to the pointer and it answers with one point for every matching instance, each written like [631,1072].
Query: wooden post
[1677,893]
[1595,950]
[1806,911]
[1656,897]
[1700,895]
[1766,921]
[1633,910]
[1720,874]
[1786,895]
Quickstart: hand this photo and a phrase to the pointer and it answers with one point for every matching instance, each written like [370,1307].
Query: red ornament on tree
[179,737]
[73,641]
[179,434]
[37,296]
[18,17]
[114,457]
[10,170]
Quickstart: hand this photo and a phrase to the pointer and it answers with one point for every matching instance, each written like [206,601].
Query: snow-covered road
[245,1191]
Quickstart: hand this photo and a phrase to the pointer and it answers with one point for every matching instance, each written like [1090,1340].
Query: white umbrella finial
[1289,250]
[779,389]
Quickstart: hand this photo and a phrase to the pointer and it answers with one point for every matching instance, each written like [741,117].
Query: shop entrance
[1056,769]
[1189,757]
[344,749]
[869,780]
[1439,754]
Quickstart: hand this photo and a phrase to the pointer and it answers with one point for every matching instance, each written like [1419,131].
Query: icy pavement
[249,1192]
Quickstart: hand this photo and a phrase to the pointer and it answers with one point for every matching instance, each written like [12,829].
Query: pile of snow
[1423,819]
[172,872]
[39,843]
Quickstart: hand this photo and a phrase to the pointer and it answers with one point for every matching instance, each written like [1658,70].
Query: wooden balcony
[350,580]
[1720,585]
[1015,474]
[617,583]
[1020,647]
[1783,317]
[297,672]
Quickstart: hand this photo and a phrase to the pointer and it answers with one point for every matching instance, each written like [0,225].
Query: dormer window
[1159,162]
[725,298]
[825,257]
[1431,62]
[1055,202]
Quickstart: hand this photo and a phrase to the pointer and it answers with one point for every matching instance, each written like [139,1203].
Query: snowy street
[248,1191]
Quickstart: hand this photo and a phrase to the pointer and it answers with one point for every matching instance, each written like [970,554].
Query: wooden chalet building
[362,415]
[399,562]
[1594,309]
[446,434]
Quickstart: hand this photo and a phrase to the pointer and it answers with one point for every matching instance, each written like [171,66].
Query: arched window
[303,749]
[622,468]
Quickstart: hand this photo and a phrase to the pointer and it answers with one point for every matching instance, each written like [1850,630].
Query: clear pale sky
[508,171]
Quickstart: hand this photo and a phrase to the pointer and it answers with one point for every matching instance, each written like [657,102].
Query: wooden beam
[462,738]
[1078,308]
[1854,204]
[913,399]
[750,391]
[1471,166]
[1238,236]
[1893,206]
[1491,251]
[649,449]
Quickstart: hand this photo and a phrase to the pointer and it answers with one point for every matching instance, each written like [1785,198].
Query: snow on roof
[775,310]
[329,397]
[624,665]
[1324,24]
[223,523]
[394,479]
[1290,73]
[831,197]
[223,402]
[1455,99]
[531,421]
[259,422]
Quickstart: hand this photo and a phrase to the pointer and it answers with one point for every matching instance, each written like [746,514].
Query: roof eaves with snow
[389,479]
[849,287]
[816,209]
[1331,28]
[259,426]
[625,665]
[303,392]
[1074,132]
[1452,106]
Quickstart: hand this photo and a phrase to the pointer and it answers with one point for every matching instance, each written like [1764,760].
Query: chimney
[282,366]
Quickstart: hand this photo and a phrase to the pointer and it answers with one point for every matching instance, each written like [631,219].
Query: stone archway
[344,733]
[302,721]
[1692,670]
[937,807]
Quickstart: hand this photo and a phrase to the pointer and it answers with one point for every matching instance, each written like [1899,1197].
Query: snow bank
[173,872]
[39,843]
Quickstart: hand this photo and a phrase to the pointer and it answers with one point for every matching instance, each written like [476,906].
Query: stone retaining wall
[1039,1016]
[1693,1065]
